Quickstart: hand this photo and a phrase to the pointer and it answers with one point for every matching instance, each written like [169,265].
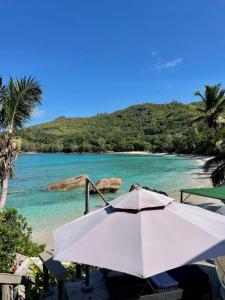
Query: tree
[216,165]
[213,102]
[18,99]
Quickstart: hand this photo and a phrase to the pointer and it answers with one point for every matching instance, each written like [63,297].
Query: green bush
[15,237]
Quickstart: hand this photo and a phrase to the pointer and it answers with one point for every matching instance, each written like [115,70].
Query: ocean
[45,210]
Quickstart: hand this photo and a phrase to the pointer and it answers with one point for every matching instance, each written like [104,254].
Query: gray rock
[107,185]
[68,184]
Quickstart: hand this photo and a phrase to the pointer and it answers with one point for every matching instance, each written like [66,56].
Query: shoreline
[45,236]
[125,152]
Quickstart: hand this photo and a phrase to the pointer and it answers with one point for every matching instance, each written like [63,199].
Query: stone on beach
[107,185]
[68,184]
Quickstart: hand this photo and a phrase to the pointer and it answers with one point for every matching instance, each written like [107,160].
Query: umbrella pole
[87,193]
[181,196]
[87,288]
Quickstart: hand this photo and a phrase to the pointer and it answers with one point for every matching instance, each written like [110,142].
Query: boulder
[107,185]
[68,184]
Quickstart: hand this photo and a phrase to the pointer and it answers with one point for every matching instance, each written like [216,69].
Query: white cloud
[38,113]
[170,64]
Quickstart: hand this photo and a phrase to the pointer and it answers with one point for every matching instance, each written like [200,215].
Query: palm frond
[213,105]
[17,105]
[198,119]
[201,110]
[218,175]
[221,94]
[3,93]
[211,95]
[214,162]
[221,102]
[198,93]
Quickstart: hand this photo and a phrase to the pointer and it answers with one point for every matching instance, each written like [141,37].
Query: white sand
[131,152]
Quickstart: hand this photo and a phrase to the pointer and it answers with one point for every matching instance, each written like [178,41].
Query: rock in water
[107,185]
[68,184]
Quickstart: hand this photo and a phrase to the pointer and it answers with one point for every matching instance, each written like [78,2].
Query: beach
[197,176]
[199,179]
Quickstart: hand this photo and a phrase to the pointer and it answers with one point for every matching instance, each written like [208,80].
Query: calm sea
[49,209]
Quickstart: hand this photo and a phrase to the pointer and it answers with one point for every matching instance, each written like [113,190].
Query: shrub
[15,237]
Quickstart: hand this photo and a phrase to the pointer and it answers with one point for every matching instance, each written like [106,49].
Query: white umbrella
[142,233]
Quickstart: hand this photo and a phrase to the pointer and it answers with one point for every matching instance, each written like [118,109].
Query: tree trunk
[3,194]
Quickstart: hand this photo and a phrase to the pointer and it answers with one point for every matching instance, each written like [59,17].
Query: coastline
[125,152]
[45,235]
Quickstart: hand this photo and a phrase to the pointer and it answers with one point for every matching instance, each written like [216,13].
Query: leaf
[218,175]
[214,162]
[18,101]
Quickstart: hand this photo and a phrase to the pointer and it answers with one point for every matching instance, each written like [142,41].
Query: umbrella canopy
[142,233]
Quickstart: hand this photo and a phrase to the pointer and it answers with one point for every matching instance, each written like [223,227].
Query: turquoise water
[46,210]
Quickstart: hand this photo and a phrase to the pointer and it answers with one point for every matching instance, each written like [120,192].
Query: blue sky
[99,56]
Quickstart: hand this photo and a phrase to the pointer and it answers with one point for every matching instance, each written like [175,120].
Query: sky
[97,56]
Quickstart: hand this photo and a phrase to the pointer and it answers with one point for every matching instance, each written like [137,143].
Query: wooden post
[46,278]
[78,271]
[61,290]
[87,278]
[5,292]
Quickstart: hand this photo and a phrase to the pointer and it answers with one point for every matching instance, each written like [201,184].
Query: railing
[87,195]
[9,285]
[7,280]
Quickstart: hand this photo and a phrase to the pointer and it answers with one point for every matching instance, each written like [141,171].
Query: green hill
[150,127]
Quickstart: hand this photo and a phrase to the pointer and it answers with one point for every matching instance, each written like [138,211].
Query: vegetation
[18,99]
[213,102]
[15,237]
[195,128]
[17,102]
[212,116]
[145,127]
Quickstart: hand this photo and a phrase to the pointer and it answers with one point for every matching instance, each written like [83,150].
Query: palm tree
[216,165]
[18,100]
[213,102]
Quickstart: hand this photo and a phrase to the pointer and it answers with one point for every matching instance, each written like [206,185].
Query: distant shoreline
[201,158]
[125,152]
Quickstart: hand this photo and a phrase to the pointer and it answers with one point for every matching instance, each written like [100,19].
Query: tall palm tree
[18,100]
[213,102]
[216,165]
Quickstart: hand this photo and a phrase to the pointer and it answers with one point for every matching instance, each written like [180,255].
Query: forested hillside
[150,127]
